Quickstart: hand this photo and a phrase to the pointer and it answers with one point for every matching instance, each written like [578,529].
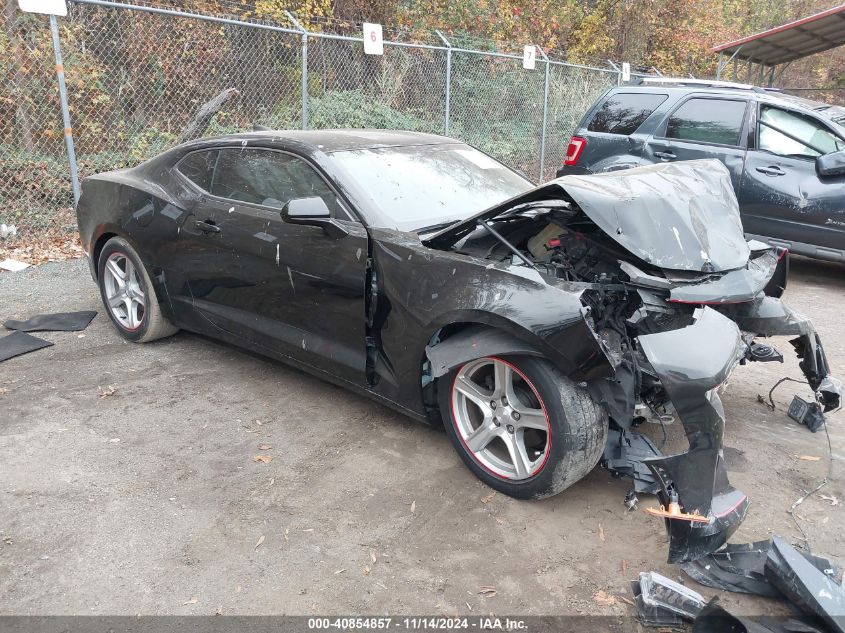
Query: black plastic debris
[663,602]
[740,568]
[20,343]
[803,584]
[807,413]
[625,453]
[713,618]
[60,322]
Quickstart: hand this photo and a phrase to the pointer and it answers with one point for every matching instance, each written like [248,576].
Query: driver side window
[269,178]
[789,134]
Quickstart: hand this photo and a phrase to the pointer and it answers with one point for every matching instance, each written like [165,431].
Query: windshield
[419,186]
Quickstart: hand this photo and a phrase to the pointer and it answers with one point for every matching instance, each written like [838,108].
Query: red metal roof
[810,35]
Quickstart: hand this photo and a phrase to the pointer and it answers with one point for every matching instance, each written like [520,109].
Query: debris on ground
[59,322]
[715,619]
[804,584]
[604,599]
[808,414]
[263,459]
[834,501]
[13,265]
[773,569]
[259,542]
[663,602]
[58,243]
[488,591]
[108,391]
[8,230]
[19,343]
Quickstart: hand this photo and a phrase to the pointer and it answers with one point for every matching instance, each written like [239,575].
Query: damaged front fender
[691,363]
[474,342]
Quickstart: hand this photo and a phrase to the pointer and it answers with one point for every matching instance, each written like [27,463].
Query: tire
[136,313]
[553,459]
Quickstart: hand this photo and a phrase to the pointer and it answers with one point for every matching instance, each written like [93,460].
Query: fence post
[448,82]
[545,116]
[68,131]
[304,72]
[617,70]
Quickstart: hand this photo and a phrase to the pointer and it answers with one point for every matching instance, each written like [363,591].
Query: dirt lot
[149,500]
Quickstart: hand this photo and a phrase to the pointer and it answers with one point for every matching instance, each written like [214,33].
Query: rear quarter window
[717,121]
[624,112]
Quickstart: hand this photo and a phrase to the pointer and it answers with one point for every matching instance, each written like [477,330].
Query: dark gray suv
[786,155]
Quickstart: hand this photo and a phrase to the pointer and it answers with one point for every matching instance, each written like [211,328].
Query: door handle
[207,226]
[771,170]
[665,155]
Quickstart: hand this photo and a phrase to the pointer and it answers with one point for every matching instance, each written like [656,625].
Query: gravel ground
[149,500]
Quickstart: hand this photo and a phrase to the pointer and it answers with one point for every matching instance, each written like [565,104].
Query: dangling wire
[791,512]
[771,403]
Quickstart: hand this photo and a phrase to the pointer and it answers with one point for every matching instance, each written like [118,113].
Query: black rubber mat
[20,343]
[60,322]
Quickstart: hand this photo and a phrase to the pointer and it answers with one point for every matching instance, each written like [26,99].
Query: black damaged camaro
[541,325]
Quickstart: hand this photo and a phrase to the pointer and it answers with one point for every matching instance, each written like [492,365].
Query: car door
[782,196]
[289,289]
[704,127]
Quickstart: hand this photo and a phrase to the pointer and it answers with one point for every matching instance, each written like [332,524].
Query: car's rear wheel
[128,294]
[521,426]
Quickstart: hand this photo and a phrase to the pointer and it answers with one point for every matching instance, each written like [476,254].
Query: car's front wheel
[128,294]
[521,426]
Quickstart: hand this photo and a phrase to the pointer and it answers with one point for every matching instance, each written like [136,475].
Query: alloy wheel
[124,292]
[500,418]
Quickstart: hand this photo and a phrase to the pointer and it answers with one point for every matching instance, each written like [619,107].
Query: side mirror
[312,212]
[832,164]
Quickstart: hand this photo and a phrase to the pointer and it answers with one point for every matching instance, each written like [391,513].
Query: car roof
[681,86]
[327,141]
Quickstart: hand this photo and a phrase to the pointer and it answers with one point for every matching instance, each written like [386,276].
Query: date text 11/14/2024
[418,623]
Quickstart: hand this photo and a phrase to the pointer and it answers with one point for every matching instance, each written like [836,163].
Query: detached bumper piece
[741,568]
[714,619]
[773,569]
[813,591]
[700,507]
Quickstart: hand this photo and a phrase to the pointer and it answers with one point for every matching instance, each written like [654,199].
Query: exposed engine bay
[676,296]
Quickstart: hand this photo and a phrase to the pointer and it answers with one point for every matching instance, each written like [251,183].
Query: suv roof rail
[702,83]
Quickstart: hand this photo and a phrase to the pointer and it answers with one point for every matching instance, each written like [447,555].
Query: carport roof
[788,42]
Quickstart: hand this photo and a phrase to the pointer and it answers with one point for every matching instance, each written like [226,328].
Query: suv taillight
[573,152]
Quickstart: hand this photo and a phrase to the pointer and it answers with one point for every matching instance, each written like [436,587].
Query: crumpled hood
[677,216]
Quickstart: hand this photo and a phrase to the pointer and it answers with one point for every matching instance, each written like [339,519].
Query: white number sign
[50,7]
[626,71]
[373,41]
[529,57]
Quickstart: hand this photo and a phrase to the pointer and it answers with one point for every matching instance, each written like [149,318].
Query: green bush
[348,109]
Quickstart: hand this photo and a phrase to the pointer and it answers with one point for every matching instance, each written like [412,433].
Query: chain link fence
[136,77]
[34,175]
